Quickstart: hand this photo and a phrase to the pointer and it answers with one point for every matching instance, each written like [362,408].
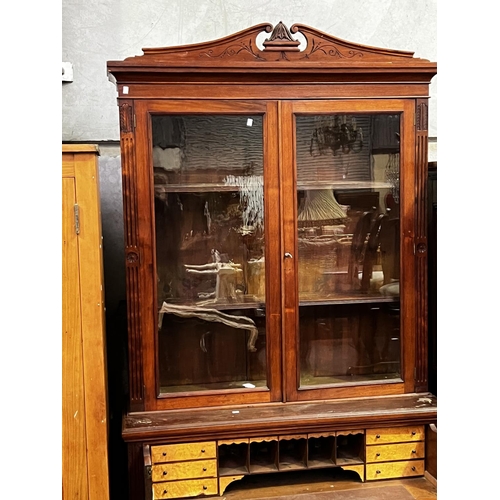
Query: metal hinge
[135,122]
[77,218]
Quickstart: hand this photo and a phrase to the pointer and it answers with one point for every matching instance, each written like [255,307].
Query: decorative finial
[281,40]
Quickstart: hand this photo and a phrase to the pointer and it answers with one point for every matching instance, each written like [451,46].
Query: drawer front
[182,489]
[180,452]
[391,452]
[392,470]
[184,470]
[395,434]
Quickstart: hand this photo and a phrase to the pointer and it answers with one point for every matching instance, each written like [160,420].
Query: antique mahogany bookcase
[274,186]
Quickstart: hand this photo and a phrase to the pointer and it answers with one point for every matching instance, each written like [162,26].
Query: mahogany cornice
[239,52]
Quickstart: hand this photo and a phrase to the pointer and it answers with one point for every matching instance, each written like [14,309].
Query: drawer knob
[378,454]
[204,469]
[413,433]
[378,472]
[164,472]
[165,492]
[378,436]
[413,469]
[414,451]
[204,487]
[164,453]
[203,451]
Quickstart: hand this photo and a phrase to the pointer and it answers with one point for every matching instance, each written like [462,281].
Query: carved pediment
[282,47]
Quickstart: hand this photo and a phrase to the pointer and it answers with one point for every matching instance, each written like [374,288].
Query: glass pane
[209,219]
[348,234]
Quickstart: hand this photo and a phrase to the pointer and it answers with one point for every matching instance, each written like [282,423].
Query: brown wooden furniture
[84,384]
[246,169]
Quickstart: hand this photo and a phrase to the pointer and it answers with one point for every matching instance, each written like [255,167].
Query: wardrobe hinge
[77,218]
[135,123]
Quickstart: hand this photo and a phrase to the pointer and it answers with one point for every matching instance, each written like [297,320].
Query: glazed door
[212,172]
[347,191]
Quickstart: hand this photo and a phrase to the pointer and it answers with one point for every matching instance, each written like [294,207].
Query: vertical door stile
[289,251]
[145,237]
[272,201]
[408,310]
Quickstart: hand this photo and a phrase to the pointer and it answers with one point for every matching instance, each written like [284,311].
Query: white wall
[95,31]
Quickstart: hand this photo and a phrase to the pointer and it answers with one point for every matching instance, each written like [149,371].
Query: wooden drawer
[182,489]
[181,452]
[184,470]
[392,470]
[395,434]
[391,452]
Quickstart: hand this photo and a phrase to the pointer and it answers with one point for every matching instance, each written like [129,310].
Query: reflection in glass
[348,240]
[209,219]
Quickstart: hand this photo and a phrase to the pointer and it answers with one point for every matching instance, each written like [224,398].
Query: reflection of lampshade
[168,159]
[320,205]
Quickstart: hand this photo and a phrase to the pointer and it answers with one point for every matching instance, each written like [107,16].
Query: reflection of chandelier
[392,174]
[334,133]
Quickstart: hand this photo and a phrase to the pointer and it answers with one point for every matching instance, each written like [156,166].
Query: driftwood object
[213,315]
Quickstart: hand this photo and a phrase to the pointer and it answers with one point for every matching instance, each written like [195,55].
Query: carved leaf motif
[422,116]
[281,40]
[281,32]
[126,118]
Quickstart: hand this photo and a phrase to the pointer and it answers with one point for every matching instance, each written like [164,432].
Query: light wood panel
[182,489]
[389,452]
[391,470]
[178,452]
[74,460]
[85,420]
[395,435]
[183,470]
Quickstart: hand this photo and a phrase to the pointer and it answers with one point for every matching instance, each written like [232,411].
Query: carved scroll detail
[331,50]
[234,50]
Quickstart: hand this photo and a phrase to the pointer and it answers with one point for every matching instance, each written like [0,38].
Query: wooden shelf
[194,188]
[339,185]
[336,299]
[348,299]
[200,187]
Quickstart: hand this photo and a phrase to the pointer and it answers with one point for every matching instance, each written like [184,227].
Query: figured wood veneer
[179,452]
[395,435]
[182,470]
[182,489]
[390,452]
[391,470]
